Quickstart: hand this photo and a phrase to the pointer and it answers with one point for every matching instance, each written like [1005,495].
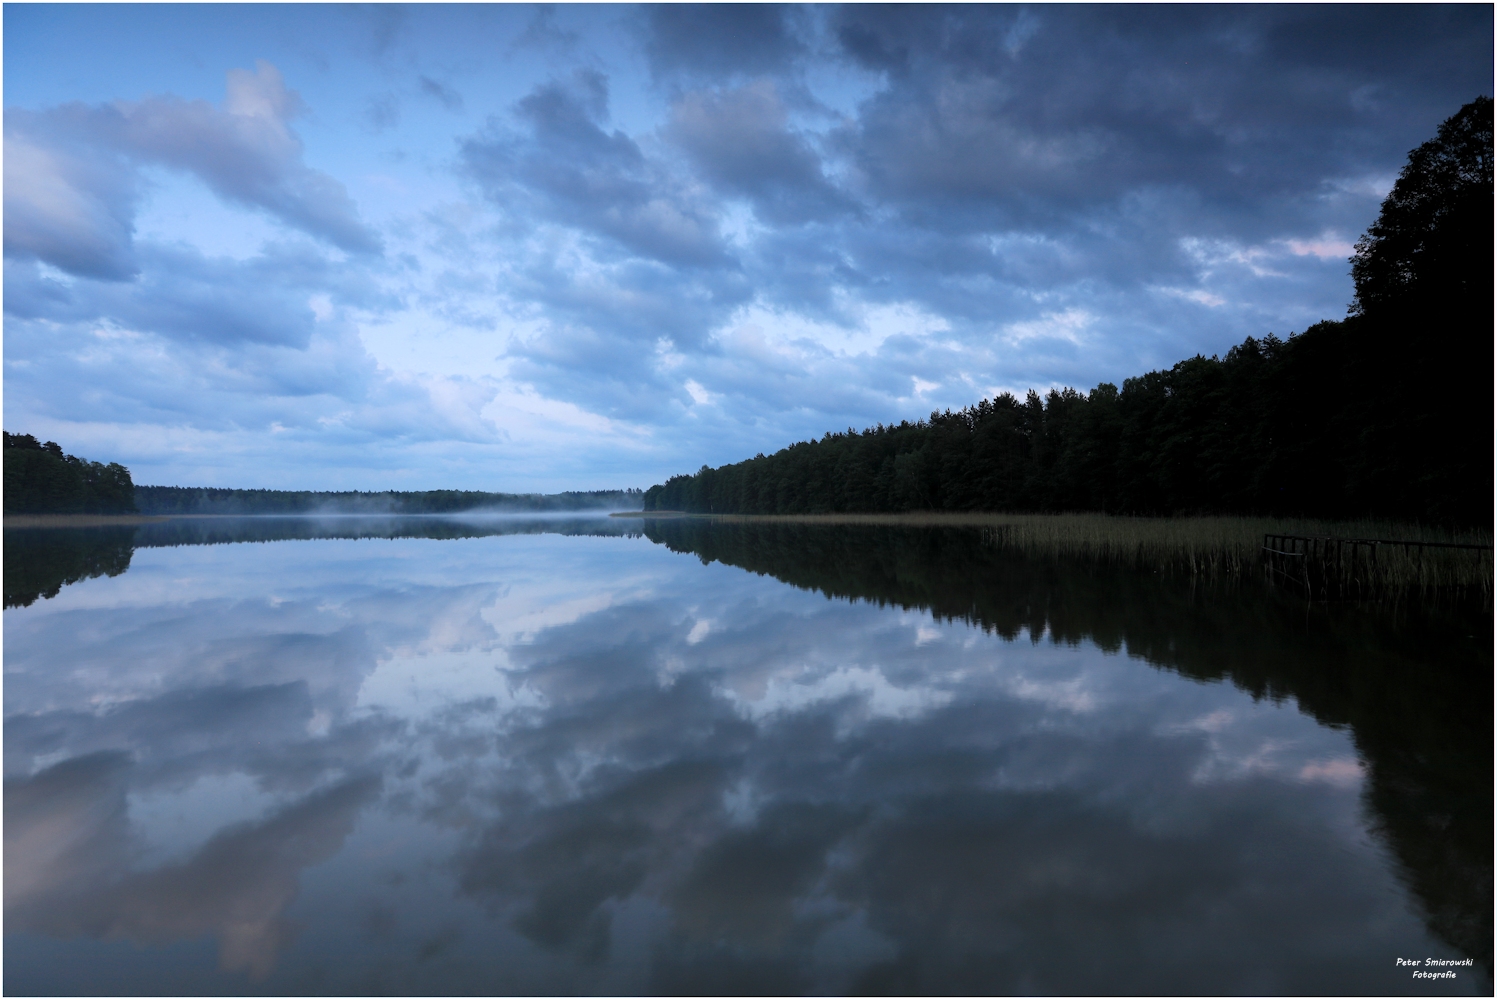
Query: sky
[516,248]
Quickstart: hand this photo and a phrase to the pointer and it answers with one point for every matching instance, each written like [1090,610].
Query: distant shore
[960,519]
[80,520]
[127,520]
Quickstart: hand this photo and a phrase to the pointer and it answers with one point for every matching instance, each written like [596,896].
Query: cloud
[66,204]
[719,41]
[223,344]
[739,140]
[1006,170]
[65,832]
[382,112]
[246,153]
[569,170]
[542,32]
[985,803]
[441,93]
[66,850]
[72,172]
[203,723]
[1232,107]
[182,295]
[240,883]
[686,249]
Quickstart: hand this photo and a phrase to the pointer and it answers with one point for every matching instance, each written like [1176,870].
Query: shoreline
[964,518]
[80,520]
[29,521]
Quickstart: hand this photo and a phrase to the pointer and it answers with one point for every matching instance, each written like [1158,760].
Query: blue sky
[520,248]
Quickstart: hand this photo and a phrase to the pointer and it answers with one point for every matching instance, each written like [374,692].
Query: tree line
[41,479]
[1384,413]
[205,500]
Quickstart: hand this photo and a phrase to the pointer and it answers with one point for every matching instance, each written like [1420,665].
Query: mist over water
[538,756]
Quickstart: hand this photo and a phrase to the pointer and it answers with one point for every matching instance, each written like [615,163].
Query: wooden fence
[1328,568]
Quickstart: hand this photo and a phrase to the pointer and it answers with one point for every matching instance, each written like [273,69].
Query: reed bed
[1213,548]
[1219,548]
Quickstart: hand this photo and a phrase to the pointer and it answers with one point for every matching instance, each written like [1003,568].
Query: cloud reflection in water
[524,764]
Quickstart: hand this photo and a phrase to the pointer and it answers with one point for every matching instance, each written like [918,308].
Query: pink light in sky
[1325,248]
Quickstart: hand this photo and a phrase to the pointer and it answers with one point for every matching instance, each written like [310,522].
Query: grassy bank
[1205,548]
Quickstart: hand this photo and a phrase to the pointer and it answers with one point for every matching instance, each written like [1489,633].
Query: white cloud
[866,686]
[1326,247]
[1069,325]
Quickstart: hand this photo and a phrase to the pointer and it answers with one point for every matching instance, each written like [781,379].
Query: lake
[615,756]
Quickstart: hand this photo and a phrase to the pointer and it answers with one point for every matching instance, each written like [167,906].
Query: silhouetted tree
[1423,311]
[1431,245]
[40,479]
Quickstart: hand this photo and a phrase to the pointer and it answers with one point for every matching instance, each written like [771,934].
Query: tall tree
[40,479]
[1431,246]
[1423,274]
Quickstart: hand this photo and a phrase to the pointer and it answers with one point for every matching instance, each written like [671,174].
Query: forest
[201,500]
[40,479]
[1386,413]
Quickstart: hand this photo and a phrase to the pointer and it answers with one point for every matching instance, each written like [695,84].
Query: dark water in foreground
[430,757]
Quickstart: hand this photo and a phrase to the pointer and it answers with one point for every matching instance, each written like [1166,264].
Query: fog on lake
[618,756]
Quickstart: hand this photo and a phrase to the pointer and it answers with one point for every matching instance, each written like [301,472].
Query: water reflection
[525,763]
[1413,685]
[39,562]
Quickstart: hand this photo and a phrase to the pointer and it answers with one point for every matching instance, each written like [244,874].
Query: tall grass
[1220,548]
[1212,548]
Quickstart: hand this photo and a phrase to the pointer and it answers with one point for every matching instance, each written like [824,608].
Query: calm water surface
[566,757]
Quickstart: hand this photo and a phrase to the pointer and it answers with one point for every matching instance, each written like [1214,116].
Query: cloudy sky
[518,248]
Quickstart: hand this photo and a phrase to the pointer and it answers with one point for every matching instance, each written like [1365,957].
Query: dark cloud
[441,93]
[792,216]
[1086,104]
[570,170]
[720,40]
[1069,195]
[382,112]
[542,31]
[744,886]
[247,153]
[568,862]
[740,141]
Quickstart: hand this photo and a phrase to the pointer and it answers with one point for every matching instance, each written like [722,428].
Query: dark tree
[1431,245]
[40,479]
[1423,350]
